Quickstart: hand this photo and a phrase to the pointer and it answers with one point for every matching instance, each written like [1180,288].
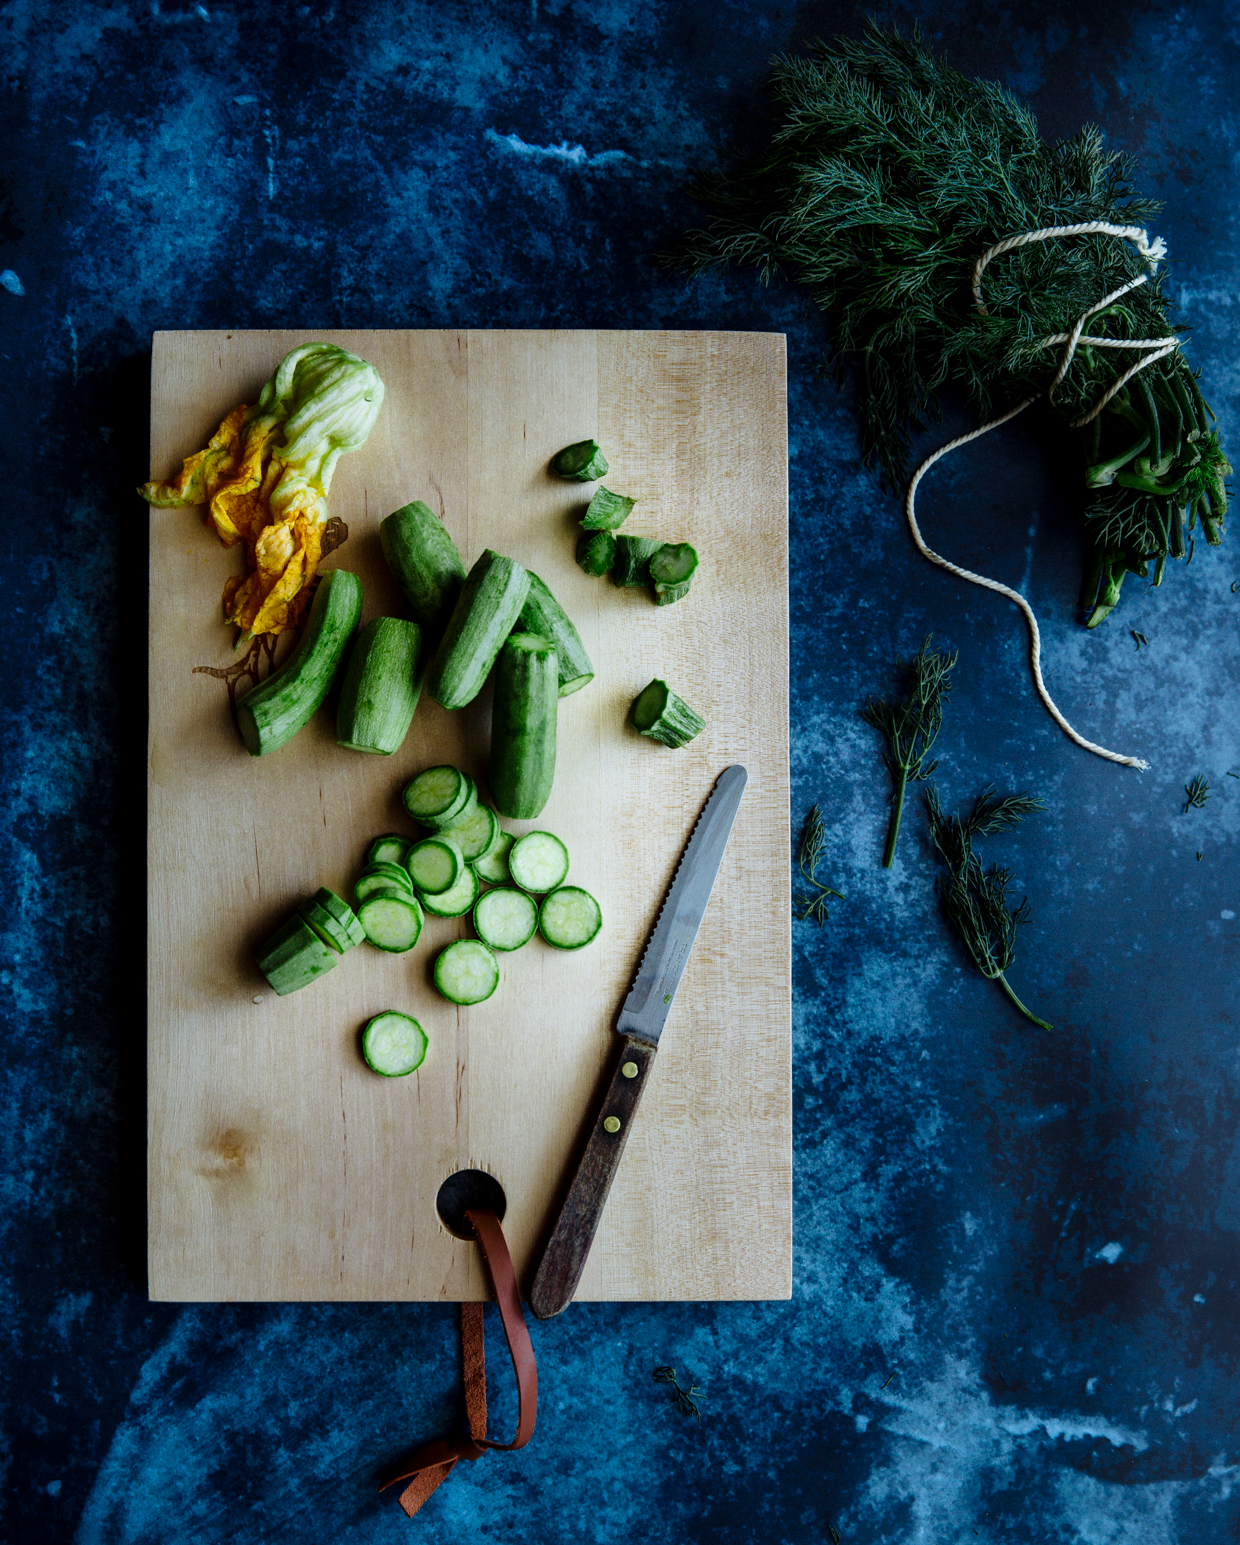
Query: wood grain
[279,1166]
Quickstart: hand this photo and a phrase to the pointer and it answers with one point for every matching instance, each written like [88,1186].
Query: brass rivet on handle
[612,1124]
[629,1070]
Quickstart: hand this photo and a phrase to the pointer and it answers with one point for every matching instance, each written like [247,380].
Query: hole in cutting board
[468,1188]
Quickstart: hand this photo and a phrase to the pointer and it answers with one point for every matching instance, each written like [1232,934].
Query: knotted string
[432,1465]
[1151,349]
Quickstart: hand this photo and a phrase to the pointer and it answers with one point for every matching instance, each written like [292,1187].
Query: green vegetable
[596,552]
[664,595]
[660,715]
[476,834]
[456,901]
[581,463]
[911,727]
[381,687]
[435,865]
[543,614]
[392,920]
[294,956]
[493,866]
[439,796]
[607,511]
[569,918]
[975,900]
[393,1044]
[538,862]
[523,726]
[505,919]
[381,877]
[888,178]
[390,849]
[328,928]
[632,561]
[271,713]
[466,972]
[425,562]
[342,912]
[673,564]
[485,613]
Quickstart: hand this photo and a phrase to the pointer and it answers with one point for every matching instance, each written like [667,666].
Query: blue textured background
[1016,1292]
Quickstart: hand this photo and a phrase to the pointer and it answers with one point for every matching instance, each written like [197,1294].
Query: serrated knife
[639,1026]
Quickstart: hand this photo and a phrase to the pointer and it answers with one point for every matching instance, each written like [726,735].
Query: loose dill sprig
[812,905]
[1139,639]
[685,1400]
[974,899]
[1198,792]
[911,728]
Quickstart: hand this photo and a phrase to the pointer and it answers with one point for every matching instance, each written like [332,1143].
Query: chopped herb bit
[813,907]
[1233,775]
[974,899]
[685,1400]
[1198,792]
[911,728]
[1235,585]
[1140,639]
[1199,857]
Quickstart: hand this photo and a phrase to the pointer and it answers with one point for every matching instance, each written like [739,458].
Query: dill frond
[812,905]
[911,727]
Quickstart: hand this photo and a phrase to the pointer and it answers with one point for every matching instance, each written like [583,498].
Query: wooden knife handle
[564,1259]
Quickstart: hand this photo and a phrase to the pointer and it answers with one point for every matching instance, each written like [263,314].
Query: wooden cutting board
[280,1167]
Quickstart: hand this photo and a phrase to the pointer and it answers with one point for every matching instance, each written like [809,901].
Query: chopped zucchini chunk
[580,463]
[607,511]
[660,715]
[596,552]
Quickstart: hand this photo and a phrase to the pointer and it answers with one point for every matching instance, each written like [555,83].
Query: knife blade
[639,1024]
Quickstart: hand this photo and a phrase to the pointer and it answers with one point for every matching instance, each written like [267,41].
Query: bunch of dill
[888,177]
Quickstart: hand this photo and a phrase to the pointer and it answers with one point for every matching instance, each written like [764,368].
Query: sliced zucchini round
[381,877]
[505,918]
[326,926]
[389,849]
[466,972]
[437,796]
[476,834]
[493,866]
[435,865]
[392,920]
[538,862]
[457,901]
[569,918]
[393,1044]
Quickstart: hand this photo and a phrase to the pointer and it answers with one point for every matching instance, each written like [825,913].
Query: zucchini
[435,865]
[294,956]
[660,715]
[326,926]
[569,918]
[523,724]
[673,563]
[538,862]
[607,511]
[388,849]
[633,555]
[426,565]
[466,972]
[457,901]
[493,866]
[476,834]
[392,920]
[393,1044]
[505,919]
[381,687]
[342,912]
[596,552]
[543,614]
[271,713]
[439,796]
[580,463]
[381,877]
[485,613]
[664,595]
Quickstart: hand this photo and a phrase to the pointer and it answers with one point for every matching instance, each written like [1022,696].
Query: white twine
[1151,349]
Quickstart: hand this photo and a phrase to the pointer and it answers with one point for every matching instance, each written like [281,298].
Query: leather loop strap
[432,1465]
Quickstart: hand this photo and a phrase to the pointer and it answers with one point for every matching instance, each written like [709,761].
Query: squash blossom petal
[265,473]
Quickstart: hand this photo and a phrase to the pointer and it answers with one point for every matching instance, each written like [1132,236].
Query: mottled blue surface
[1017,1281]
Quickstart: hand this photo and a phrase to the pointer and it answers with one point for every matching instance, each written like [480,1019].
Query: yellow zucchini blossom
[264,478]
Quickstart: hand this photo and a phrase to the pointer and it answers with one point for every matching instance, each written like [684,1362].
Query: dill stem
[1003,982]
[897,810]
